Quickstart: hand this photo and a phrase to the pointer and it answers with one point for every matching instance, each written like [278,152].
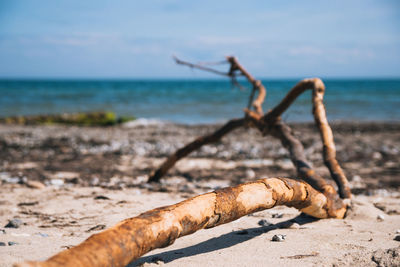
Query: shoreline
[129,152]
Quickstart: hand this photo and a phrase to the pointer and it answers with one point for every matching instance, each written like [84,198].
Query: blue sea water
[195,101]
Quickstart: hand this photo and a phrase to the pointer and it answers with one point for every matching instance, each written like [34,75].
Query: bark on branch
[132,238]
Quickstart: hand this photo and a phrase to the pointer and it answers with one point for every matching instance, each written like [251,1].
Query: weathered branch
[234,68]
[160,227]
[196,144]
[329,150]
[283,132]
[257,85]
[199,66]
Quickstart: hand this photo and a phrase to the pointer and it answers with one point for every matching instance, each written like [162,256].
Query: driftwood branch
[131,238]
[329,150]
[270,123]
[235,67]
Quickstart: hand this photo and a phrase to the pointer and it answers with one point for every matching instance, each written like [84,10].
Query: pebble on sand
[35,184]
[278,238]
[14,223]
[264,222]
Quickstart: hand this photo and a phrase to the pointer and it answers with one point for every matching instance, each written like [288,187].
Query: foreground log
[132,238]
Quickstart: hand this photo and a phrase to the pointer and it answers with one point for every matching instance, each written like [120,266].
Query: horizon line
[27,78]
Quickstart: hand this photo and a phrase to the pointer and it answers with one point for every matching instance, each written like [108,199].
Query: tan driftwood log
[132,238]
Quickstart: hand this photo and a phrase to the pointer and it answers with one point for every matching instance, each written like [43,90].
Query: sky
[137,39]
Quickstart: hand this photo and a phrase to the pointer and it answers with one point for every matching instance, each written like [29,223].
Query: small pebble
[380,217]
[2,231]
[278,238]
[14,223]
[277,215]
[398,231]
[397,238]
[11,243]
[264,222]
[289,225]
[101,197]
[250,174]
[2,244]
[294,226]
[57,182]
[35,184]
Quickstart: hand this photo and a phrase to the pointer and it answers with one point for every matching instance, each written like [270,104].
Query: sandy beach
[66,183]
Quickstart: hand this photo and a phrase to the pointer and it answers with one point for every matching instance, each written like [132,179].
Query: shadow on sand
[220,242]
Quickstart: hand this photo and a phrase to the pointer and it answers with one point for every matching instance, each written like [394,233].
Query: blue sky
[136,39]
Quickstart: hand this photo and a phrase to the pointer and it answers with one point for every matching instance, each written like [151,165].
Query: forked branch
[270,123]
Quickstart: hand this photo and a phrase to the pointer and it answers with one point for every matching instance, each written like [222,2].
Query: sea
[196,101]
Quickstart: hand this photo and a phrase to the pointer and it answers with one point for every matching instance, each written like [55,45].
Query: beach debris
[302,256]
[35,184]
[14,223]
[264,222]
[380,217]
[2,244]
[398,231]
[397,238]
[101,197]
[33,203]
[11,243]
[278,238]
[96,228]
[2,231]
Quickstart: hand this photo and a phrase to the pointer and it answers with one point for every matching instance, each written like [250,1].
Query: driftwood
[310,193]
[270,123]
[131,238]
